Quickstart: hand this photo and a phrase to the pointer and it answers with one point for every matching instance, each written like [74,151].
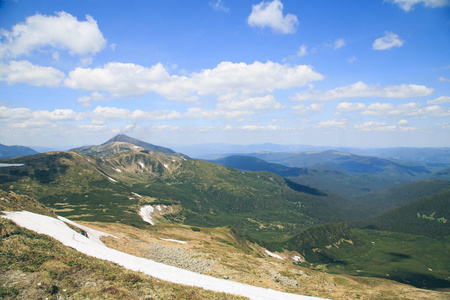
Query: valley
[342,223]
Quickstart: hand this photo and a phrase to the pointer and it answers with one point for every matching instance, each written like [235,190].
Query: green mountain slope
[427,216]
[331,179]
[15,151]
[260,204]
[351,163]
[400,195]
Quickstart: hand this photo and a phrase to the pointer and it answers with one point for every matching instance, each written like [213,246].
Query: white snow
[117,170]
[158,207]
[146,213]
[166,166]
[142,165]
[274,255]
[60,231]
[11,165]
[298,258]
[136,194]
[113,180]
[136,147]
[176,241]
[93,235]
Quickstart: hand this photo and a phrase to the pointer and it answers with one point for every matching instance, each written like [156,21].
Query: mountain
[351,163]
[249,163]
[400,195]
[333,180]
[260,204]
[15,151]
[427,216]
[121,143]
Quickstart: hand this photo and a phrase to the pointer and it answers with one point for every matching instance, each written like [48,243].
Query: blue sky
[332,73]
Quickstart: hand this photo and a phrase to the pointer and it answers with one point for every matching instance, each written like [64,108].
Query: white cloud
[302,51]
[255,127]
[251,104]
[363,90]
[333,124]
[218,5]
[62,31]
[304,109]
[388,41]
[25,72]
[352,59]
[113,114]
[270,14]
[408,5]
[200,113]
[349,107]
[439,100]
[403,122]
[26,118]
[119,79]
[375,126]
[384,110]
[94,97]
[244,80]
[339,43]
[443,79]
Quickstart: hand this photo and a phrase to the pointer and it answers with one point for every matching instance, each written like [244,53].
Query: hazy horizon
[371,74]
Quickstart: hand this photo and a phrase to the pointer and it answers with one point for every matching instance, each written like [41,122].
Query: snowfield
[63,233]
[146,214]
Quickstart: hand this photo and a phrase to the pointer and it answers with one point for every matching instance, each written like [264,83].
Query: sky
[326,73]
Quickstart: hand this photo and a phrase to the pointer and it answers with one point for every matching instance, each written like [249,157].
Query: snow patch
[61,232]
[158,207]
[92,234]
[10,165]
[136,194]
[166,166]
[146,213]
[142,165]
[113,180]
[136,147]
[274,255]
[117,170]
[176,241]
[298,258]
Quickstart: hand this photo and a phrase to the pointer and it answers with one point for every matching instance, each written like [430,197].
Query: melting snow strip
[113,180]
[273,255]
[63,233]
[92,234]
[176,241]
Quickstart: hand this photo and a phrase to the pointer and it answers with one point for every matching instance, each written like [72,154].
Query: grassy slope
[260,204]
[427,216]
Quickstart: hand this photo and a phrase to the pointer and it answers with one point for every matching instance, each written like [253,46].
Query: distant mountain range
[15,151]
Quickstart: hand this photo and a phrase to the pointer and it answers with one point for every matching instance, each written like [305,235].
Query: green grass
[416,260]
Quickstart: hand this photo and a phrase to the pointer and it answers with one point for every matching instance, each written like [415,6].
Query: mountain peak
[127,139]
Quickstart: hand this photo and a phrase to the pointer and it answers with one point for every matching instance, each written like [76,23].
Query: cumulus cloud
[363,90]
[302,51]
[62,31]
[119,79]
[349,107]
[408,5]
[25,72]
[26,118]
[333,124]
[339,43]
[439,100]
[270,14]
[403,122]
[388,41]
[218,5]
[244,80]
[443,79]
[304,109]
[375,126]
[384,110]
[114,113]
